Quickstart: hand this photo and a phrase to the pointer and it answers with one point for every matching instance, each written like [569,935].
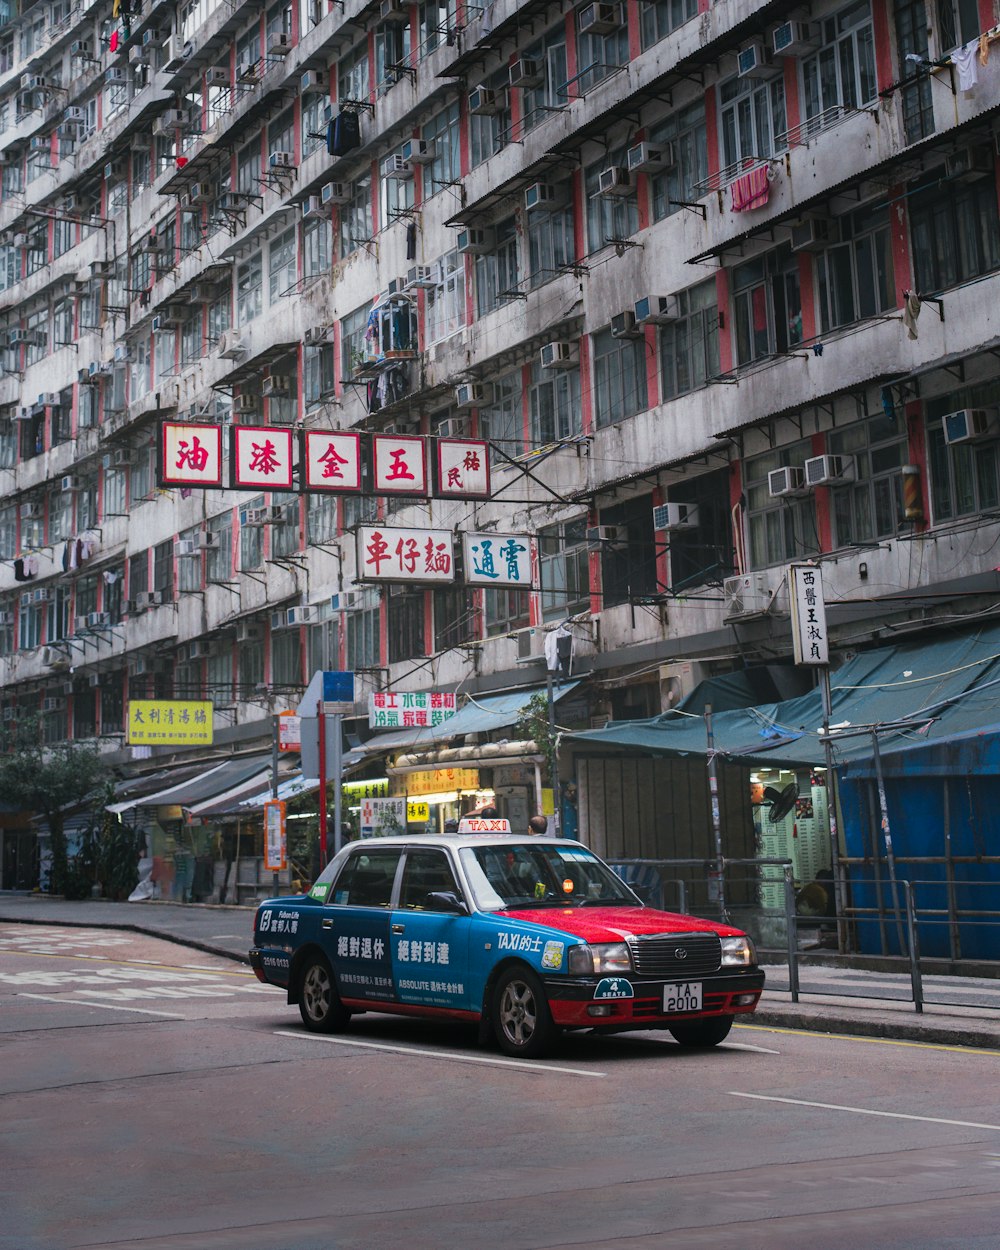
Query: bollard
[914,945]
[792,935]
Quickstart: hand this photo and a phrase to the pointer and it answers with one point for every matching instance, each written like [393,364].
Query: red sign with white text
[262,457]
[399,463]
[332,460]
[463,468]
[190,455]
[405,555]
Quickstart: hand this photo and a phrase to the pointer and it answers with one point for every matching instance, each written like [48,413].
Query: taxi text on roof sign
[174,722]
[484,824]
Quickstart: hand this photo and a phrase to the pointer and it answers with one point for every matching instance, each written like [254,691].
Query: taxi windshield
[529,875]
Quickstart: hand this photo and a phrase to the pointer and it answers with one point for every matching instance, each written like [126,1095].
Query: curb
[191,942]
[873,1024]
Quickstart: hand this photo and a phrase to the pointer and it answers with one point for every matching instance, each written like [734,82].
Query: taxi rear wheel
[319,1003]
[522,1022]
[703,1033]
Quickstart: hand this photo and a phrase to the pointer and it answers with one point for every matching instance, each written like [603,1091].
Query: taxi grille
[680,955]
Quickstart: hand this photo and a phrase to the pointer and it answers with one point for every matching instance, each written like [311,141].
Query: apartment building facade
[717,285]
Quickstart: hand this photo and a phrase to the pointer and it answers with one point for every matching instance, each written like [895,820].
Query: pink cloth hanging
[750,190]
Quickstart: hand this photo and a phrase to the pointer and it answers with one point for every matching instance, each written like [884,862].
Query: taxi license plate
[684,996]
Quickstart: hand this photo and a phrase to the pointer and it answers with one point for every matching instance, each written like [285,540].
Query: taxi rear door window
[367,878]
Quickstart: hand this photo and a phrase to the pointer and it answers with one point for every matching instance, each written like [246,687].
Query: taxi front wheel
[319,1003]
[522,1022]
[703,1033]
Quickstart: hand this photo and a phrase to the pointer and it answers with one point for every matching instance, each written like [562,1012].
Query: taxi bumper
[573,1003]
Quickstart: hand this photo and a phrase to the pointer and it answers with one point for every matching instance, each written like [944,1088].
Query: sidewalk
[958,1011]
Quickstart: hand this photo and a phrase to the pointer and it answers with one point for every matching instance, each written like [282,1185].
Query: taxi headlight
[599,959]
[738,952]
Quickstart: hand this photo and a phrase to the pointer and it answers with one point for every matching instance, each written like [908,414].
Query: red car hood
[615,924]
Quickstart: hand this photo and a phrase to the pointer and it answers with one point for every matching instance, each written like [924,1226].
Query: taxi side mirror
[446,900]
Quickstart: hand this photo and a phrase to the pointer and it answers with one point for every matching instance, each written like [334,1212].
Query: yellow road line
[875,1041]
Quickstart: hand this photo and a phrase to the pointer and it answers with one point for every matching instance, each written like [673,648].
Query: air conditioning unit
[54,657]
[169,121]
[600,19]
[249,631]
[208,541]
[198,193]
[199,649]
[747,594]
[148,599]
[393,11]
[601,536]
[422,278]
[34,82]
[335,193]
[70,483]
[314,207]
[138,57]
[312,82]
[201,293]
[829,470]
[98,620]
[40,143]
[484,101]
[544,196]
[476,241]
[969,424]
[75,114]
[80,47]
[397,168]
[675,516]
[757,60]
[53,703]
[279,44]
[244,404]
[473,394]
[281,160]
[968,163]
[792,39]
[230,346]
[178,51]
[154,38]
[187,547]
[559,356]
[315,336]
[786,481]
[276,387]
[280,514]
[292,617]
[217,76]
[100,270]
[814,234]
[417,151]
[452,427]
[614,181]
[30,510]
[6,617]
[656,309]
[650,158]
[526,73]
[623,325]
[94,680]
[121,457]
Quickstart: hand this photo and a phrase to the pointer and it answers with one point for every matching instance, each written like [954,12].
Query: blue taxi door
[430,946]
[355,924]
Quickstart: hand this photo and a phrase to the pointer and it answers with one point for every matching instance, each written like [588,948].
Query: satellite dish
[782,801]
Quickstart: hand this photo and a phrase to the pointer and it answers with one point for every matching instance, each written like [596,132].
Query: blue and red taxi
[524,935]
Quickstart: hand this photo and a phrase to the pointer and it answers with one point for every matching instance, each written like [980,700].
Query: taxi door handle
[327,924]
[398,928]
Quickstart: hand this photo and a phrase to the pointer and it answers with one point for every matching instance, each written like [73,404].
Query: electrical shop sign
[173,722]
[410,709]
[190,455]
[332,461]
[388,554]
[497,559]
[810,643]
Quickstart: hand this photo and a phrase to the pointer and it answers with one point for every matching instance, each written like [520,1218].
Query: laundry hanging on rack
[343,133]
[911,311]
[411,240]
[750,190]
[964,60]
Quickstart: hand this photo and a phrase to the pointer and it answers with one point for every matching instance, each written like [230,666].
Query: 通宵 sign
[410,709]
[173,722]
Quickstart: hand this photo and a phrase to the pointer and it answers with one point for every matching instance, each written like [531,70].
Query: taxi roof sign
[484,824]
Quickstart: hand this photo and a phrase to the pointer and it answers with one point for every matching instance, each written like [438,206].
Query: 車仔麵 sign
[177,722]
[388,554]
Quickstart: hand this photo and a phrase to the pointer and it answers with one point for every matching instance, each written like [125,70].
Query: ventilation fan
[782,801]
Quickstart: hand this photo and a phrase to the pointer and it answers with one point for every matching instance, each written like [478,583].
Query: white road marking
[72,1002]
[760,1050]
[889,1115]
[439,1054]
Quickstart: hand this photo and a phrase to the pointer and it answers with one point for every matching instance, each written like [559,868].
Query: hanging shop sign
[275,838]
[399,464]
[190,455]
[332,461]
[442,781]
[174,722]
[382,817]
[417,813]
[417,708]
[463,468]
[810,643]
[262,458]
[497,559]
[405,555]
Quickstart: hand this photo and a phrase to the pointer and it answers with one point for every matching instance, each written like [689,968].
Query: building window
[315,247]
[446,168]
[316,112]
[58,624]
[689,346]
[505,610]
[537,103]
[249,290]
[356,218]
[352,74]
[685,131]
[138,574]
[767,305]
[250,657]
[964,477]
[703,554]
[912,20]
[282,260]
[60,517]
[248,167]
[163,570]
[781,528]
[352,340]
[219,560]
[870,507]
[285,534]
[189,567]
[502,421]
[609,217]
[958,23]
[392,44]
[281,133]
[454,617]
[323,645]
[619,377]
[397,194]
[219,677]
[551,242]
[286,658]
[497,272]
[29,631]
[753,120]
[600,55]
[841,75]
[660,17]
[855,275]
[317,373]
[564,569]
[554,409]
[406,625]
[363,632]
[321,518]
[489,132]
[628,560]
[955,232]
[445,308]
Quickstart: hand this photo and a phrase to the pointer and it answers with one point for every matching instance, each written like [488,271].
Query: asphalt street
[957,1010]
